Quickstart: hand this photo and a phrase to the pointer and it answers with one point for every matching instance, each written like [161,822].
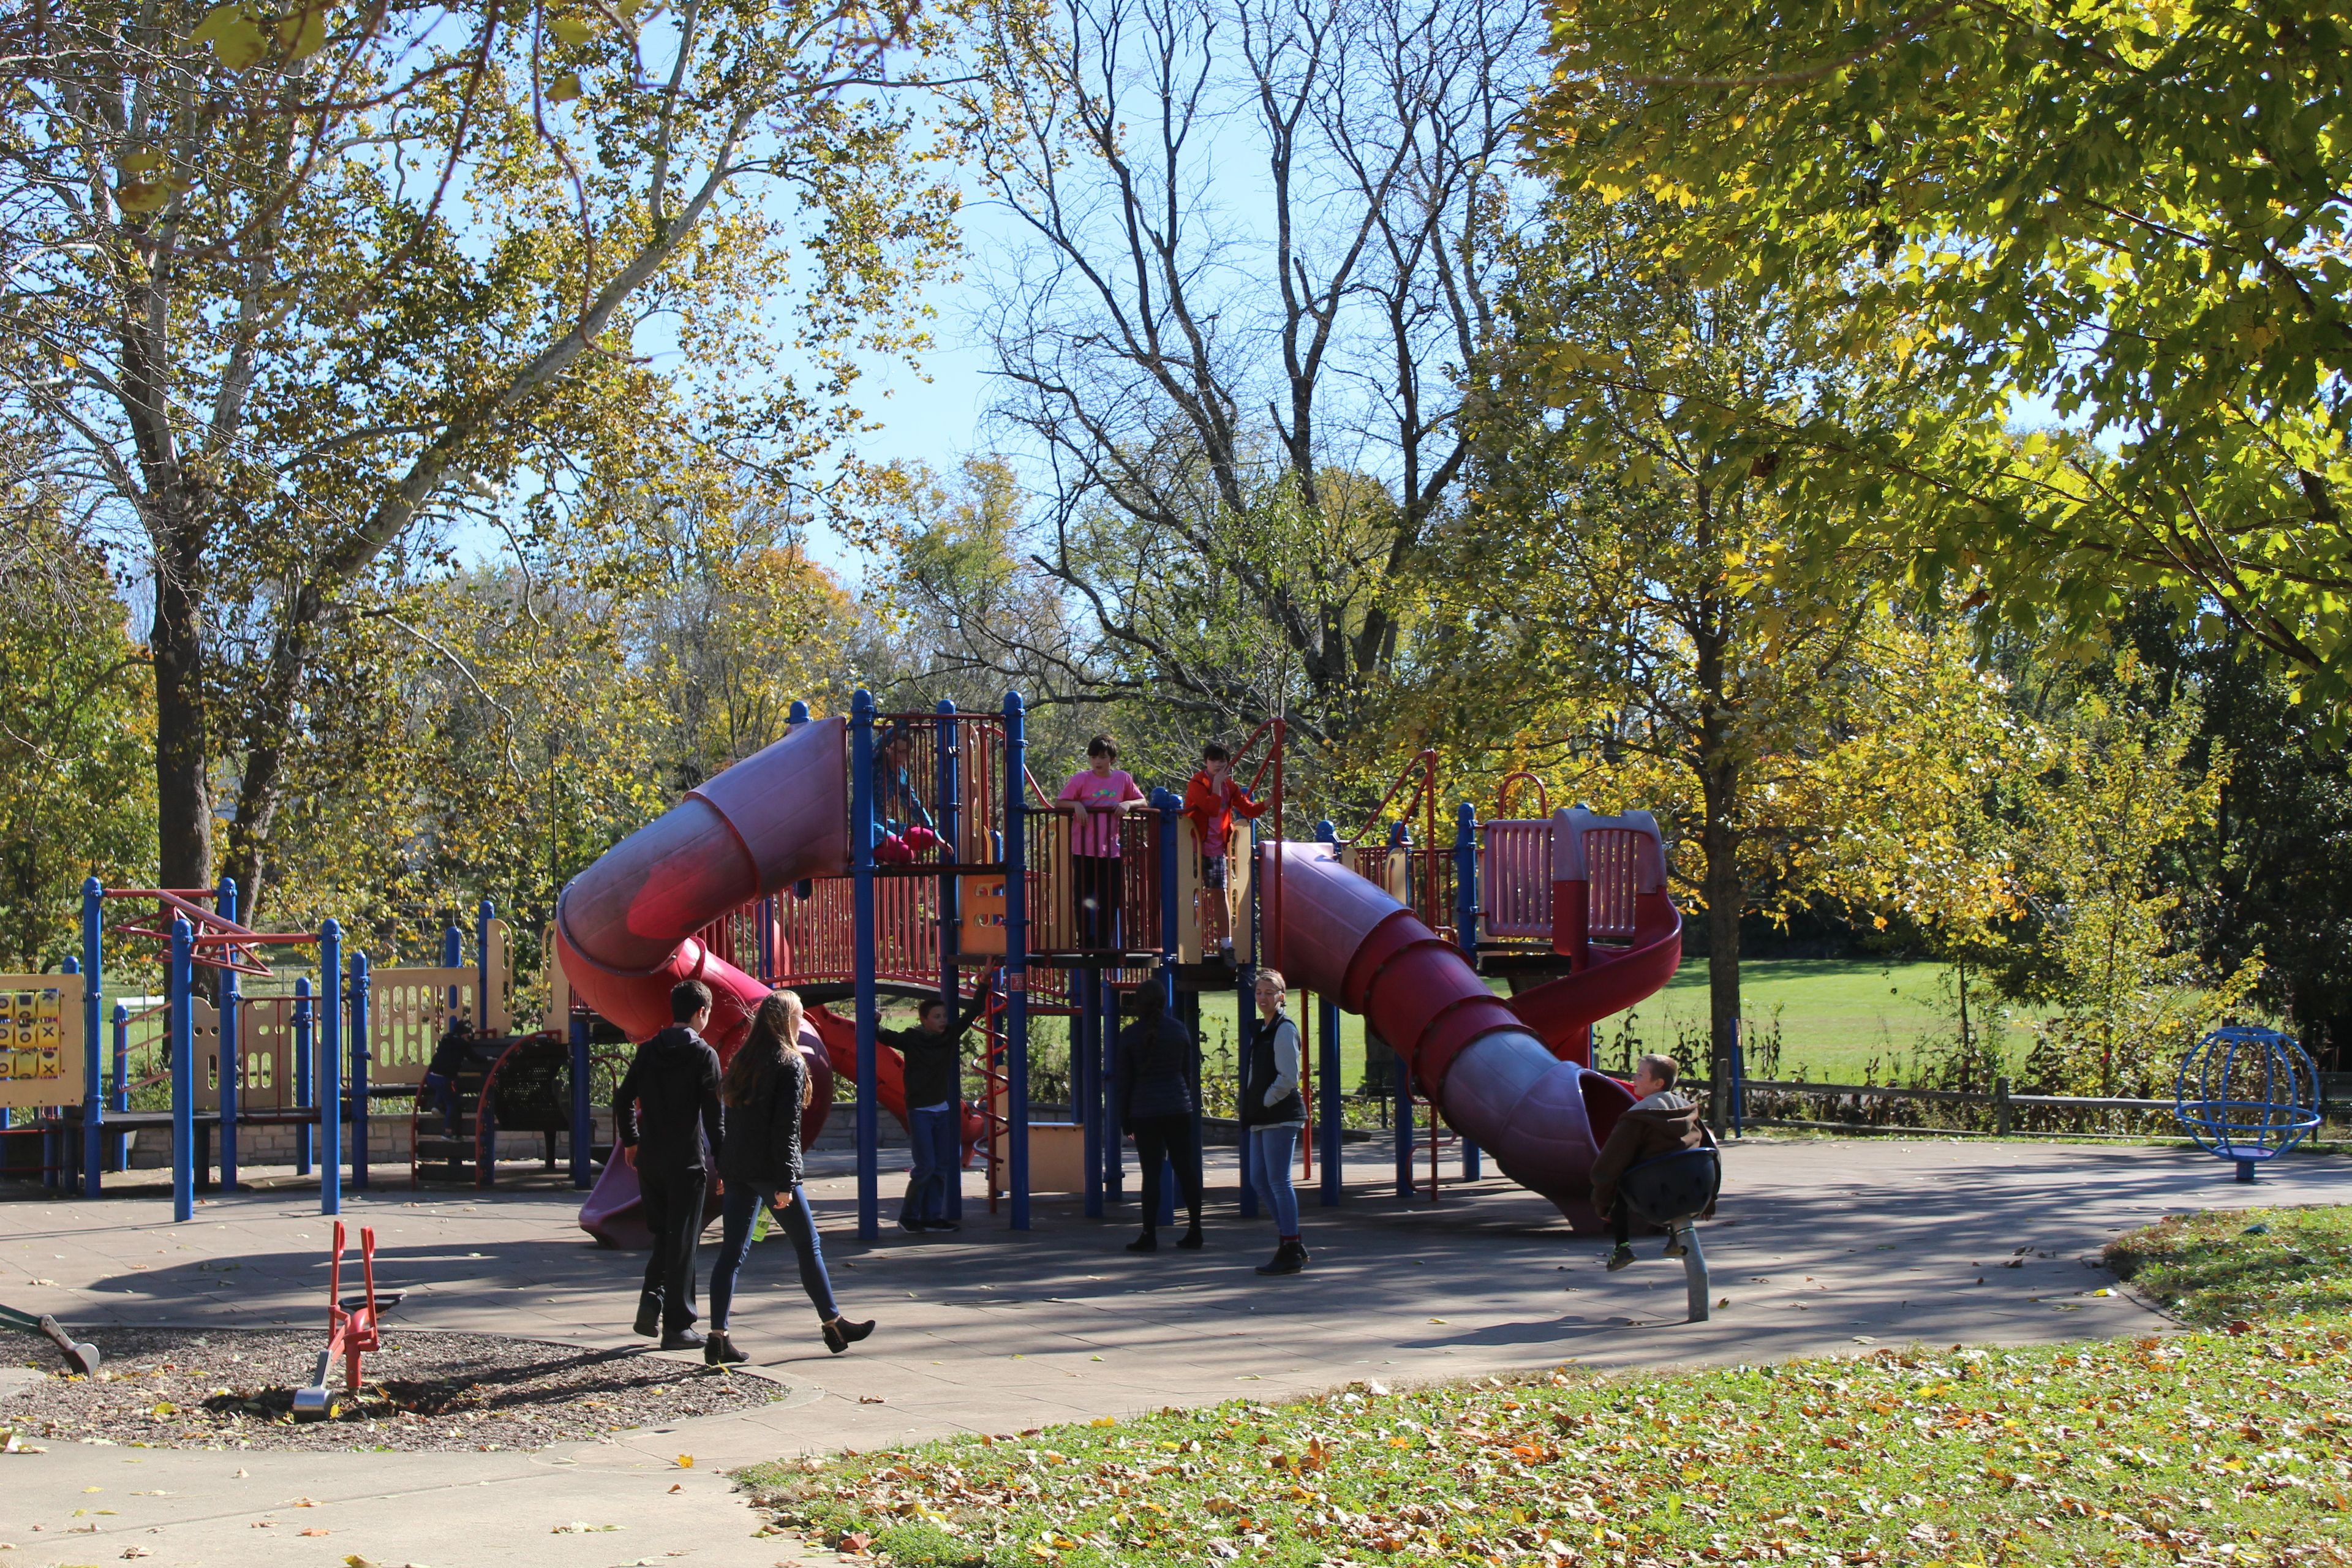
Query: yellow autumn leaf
[234,34]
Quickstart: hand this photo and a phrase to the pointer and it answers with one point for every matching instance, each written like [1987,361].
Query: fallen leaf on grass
[855,1542]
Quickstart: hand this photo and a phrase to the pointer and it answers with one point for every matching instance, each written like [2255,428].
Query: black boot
[841,1333]
[718,1349]
[1147,1242]
[1190,1240]
[1288,1258]
[683,1340]
[648,1323]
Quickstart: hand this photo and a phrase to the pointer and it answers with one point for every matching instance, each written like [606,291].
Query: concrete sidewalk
[1822,1246]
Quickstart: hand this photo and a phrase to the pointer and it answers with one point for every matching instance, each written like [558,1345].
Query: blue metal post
[861,874]
[948,820]
[1085,1100]
[453,954]
[1326,1022]
[93,970]
[359,1082]
[119,1157]
[232,1046]
[305,1027]
[178,987]
[331,1068]
[1246,1025]
[1106,1079]
[1465,925]
[798,716]
[1016,960]
[583,1116]
[483,914]
[1169,806]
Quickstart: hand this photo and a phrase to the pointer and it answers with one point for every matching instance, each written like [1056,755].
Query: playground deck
[1824,1246]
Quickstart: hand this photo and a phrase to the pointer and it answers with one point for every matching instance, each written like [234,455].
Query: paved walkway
[1822,1246]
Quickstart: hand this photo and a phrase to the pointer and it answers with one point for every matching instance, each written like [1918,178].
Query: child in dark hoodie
[666,1118]
[1659,1122]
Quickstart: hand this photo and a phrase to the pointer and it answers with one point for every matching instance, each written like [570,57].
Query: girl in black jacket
[764,1089]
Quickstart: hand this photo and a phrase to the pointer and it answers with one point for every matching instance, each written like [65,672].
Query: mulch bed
[232,1388]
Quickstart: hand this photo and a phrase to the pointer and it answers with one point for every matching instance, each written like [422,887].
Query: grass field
[2214,1448]
[1839,1019]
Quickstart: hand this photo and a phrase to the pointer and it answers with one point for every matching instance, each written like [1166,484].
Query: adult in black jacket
[1159,1062]
[664,1117]
[934,1055]
[766,1088]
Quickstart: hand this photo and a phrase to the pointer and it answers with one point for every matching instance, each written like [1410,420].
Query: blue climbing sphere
[2247,1094]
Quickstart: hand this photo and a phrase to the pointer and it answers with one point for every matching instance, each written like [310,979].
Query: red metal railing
[1515,879]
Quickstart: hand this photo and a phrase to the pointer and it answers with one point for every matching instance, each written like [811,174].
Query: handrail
[1424,795]
[1503,794]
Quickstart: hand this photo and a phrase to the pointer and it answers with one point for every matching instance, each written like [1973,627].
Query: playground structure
[749,884]
[2247,1095]
[768,875]
[265,1051]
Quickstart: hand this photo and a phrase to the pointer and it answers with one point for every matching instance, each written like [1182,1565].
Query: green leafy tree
[1623,556]
[76,732]
[2130,994]
[309,290]
[2130,212]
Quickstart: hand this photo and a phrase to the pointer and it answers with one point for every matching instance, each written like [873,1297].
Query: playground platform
[1823,1247]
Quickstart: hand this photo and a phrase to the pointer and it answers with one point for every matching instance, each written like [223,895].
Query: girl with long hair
[764,1090]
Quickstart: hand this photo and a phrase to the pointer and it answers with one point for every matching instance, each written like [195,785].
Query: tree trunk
[184,795]
[1727,896]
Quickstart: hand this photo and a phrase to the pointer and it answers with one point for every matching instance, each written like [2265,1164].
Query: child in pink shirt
[1095,801]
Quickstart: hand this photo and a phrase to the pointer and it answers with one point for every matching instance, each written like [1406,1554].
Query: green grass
[1839,1019]
[2219,1269]
[2205,1448]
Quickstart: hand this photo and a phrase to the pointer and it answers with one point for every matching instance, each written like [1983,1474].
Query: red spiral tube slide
[1541,1118]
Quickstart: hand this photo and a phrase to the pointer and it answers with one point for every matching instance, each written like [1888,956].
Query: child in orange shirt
[1212,799]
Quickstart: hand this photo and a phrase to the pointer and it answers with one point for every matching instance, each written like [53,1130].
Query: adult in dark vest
[1274,1115]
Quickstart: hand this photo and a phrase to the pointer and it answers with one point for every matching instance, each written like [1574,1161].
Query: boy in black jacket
[665,1117]
[933,1054]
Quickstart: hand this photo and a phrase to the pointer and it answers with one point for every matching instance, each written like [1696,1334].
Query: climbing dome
[2247,1095]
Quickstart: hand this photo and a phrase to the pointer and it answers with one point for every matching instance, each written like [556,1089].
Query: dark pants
[674,1200]
[436,1091]
[1620,1221]
[738,1209]
[1173,1139]
[1098,887]
[938,1152]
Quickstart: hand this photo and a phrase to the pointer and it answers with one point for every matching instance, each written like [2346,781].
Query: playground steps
[444,1150]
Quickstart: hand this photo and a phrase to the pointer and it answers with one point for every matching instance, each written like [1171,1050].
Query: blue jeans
[1271,1150]
[738,1209]
[938,1152]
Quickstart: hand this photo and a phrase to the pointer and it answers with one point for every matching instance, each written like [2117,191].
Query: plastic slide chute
[1612,917]
[1494,1078]
[626,927]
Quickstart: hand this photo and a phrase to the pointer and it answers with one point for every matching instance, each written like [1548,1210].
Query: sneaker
[1190,1240]
[1147,1242]
[841,1333]
[939,1225]
[718,1349]
[683,1340]
[649,1324]
[1620,1258]
[911,1226]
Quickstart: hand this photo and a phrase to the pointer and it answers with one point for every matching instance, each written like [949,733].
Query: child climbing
[1212,799]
